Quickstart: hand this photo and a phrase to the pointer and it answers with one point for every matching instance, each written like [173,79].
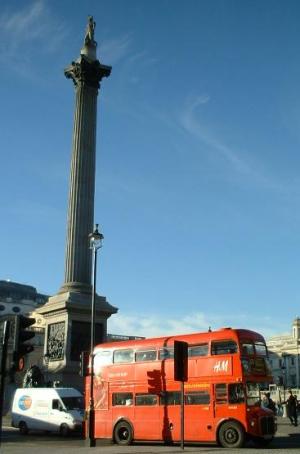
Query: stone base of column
[68,333]
[75,287]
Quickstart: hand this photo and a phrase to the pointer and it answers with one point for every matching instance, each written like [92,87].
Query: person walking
[291,407]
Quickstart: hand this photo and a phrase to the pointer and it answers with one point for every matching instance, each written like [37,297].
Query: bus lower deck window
[145,399]
[197,398]
[122,399]
[170,398]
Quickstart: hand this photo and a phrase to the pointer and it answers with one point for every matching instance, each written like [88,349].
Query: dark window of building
[16,309]
[292,361]
[122,399]
[197,398]
[145,399]
[223,347]
[2,308]
[198,350]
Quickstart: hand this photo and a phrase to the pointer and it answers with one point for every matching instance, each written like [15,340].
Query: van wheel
[231,435]
[64,430]
[23,428]
[123,433]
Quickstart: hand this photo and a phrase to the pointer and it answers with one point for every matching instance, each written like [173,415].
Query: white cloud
[113,50]
[190,122]
[29,32]
[153,325]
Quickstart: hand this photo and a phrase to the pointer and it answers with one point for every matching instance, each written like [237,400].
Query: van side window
[56,405]
[223,347]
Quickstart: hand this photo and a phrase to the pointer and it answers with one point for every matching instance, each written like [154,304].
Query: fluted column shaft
[86,76]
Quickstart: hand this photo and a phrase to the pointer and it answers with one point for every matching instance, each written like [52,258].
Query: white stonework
[284,353]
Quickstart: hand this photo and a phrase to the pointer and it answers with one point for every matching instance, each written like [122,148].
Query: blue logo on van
[25,402]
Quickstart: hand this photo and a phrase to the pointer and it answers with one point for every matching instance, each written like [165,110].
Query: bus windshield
[253,394]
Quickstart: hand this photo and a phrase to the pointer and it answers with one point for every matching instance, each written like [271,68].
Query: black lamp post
[96,239]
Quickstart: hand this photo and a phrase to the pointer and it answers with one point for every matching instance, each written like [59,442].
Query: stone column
[86,73]
[68,313]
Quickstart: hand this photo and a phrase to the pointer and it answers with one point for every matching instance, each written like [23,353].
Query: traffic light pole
[3,370]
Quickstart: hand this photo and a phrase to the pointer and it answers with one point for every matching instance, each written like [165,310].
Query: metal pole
[3,369]
[182,416]
[92,405]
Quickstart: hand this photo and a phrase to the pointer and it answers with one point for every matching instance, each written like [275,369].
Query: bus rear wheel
[123,433]
[231,435]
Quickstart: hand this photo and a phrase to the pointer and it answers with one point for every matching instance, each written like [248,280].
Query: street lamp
[96,239]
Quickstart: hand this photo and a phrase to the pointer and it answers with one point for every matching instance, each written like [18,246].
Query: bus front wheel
[123,433]
[231,435]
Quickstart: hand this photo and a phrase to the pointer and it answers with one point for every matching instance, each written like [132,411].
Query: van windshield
[73,403]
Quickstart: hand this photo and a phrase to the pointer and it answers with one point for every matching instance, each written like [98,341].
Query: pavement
[287,440]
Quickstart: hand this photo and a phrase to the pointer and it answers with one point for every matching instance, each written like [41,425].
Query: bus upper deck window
[260,349]
[198,350]
[123,356]
[247,348]
[166,353]
[223,347]
[145,355]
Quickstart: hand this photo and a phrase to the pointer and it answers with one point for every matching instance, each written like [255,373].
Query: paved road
[287,441]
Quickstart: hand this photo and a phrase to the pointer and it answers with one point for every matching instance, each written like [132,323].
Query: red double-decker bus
[136,397]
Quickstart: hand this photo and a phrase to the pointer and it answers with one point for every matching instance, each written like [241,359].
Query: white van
[48,409]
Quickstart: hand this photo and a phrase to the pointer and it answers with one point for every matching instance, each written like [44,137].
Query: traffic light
[21,335]
[180,361]
[154,381]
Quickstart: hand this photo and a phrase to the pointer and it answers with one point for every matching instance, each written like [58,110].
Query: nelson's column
[68,313]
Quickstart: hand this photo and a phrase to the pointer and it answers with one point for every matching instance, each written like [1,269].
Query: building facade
[284,357]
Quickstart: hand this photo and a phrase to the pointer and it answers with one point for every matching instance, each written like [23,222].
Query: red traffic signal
[154,381]
[21,335]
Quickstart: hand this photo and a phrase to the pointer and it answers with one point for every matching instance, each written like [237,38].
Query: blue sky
[198,164]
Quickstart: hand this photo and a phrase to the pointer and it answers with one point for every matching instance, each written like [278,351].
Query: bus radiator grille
[267,425]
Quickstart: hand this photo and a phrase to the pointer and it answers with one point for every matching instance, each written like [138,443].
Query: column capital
[84,71]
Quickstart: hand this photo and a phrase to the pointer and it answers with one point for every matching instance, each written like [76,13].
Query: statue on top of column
[90,30]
